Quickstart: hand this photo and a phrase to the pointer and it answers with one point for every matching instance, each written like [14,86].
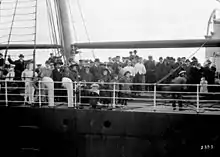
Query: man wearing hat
[87,75]
[96,70]
[19,65]
[52,58]
[57,75]
[176,87]
[2,61]
[150,76]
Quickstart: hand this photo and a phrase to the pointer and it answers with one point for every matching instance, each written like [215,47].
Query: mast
[67,32]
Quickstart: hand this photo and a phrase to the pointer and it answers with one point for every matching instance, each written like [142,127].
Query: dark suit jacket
[19,67]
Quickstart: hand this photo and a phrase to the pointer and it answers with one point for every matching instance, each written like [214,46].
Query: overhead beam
[149,44]
[28,46]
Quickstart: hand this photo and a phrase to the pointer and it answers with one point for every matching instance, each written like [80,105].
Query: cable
[9,37]
[165,77]
[84,24]
[74,29]
[35,41]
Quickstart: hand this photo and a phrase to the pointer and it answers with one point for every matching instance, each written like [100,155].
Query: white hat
[95,85]
[181,72]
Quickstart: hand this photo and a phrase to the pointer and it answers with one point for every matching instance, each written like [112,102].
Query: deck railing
[76,94]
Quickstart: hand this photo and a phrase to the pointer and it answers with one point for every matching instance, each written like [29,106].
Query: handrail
[195,101]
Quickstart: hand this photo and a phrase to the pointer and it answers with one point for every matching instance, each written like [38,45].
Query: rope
[9,37]
[51,24]
[35,41]
[84,24]
[74,28]
[165,77]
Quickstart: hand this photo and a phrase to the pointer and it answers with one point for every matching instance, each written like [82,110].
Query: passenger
[150,67]
[203,85]
[115,86]
[28,77]
[96,70]
[45,73]
[125,87]
[94,95]
[19,66]
[177,88]
[140,72]
[105,87]
[57,75]
[11,74]
[2,62]
[87,76]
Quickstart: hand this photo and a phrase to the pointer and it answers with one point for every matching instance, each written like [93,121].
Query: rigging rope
[9,37]
[74,28]
[60,30]
[84,24]
[51,21]
[35,41]
[169,74]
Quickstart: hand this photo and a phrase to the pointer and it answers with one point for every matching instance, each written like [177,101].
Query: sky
[133,20]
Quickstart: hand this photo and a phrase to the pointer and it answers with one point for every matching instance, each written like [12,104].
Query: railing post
[155,96]
[79,94]
[75,95]
[113,104]
[39,93]
[6,93]
[197,98]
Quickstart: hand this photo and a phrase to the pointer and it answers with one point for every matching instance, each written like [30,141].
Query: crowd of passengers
[126,71]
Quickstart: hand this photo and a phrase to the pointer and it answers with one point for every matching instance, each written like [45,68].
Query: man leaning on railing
[177,88]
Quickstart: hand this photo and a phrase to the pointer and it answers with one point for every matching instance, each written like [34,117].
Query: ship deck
[211,108]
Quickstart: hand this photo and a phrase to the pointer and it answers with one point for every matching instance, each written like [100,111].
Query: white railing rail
[110,93]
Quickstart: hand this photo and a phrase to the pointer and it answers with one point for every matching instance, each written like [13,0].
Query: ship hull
[94,133]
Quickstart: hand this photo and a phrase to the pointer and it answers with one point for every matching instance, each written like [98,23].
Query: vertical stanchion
[6,94]
[79,94]
[113,103]
[39,90]
[75,95]
[197,98]
[155,96]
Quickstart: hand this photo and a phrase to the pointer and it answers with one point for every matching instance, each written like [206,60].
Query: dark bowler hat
[73,65]
[126,73]
[97,60]
[21,55]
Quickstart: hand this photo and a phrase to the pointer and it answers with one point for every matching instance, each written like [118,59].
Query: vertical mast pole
[65,19]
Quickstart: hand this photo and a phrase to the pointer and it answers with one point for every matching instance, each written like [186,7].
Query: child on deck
[115,87]
[94,95]
[203,85]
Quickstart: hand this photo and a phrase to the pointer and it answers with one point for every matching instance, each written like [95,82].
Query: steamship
[64,131]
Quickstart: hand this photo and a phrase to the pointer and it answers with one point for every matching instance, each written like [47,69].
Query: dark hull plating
[89,133]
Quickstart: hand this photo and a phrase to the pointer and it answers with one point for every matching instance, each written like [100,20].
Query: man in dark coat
[150,72]
[19,66]
[96,71]
[176,88]
[57,75]
[2,62]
